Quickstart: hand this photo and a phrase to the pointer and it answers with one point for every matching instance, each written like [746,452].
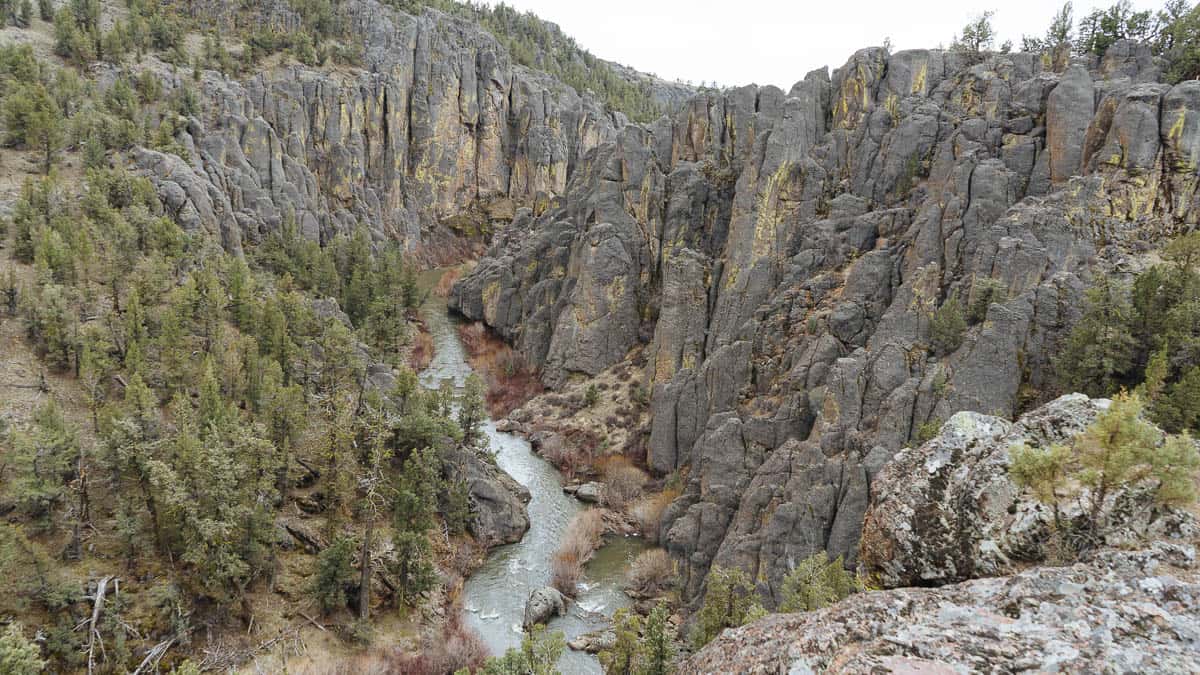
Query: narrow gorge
[408,336]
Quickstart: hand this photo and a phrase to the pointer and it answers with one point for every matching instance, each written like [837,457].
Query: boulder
[947,510]
[590,492]
[498,502]
[544,604]
[594,642]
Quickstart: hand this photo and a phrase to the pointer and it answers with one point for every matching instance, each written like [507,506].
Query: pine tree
[1119,449]
[656,653]
[19,655]
[538,655]
[621,658]
[1100,351]
[815,583]
[729,602]
[213,408]
[471,410]
[44,460]
[334,574]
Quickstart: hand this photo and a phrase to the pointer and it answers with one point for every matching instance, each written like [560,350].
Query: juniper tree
[947,326]
[334,574]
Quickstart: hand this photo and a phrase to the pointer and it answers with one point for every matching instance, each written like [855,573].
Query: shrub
[648,510]
[651,574]
[446,282]
[815,583]
[984,292]
[568,457]
[946,327]
[591,396]
[623,484]
[458,646]
[18,654]
[580,541]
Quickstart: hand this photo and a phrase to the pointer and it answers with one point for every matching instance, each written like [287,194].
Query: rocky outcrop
[777,256]
[497,500]
[544,604]
[438,132]
[947,511]
[1125,612]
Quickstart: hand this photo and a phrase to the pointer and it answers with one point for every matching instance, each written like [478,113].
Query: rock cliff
[438,132]
[780,256]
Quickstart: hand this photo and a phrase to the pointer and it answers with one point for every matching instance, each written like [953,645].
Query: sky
[735,42]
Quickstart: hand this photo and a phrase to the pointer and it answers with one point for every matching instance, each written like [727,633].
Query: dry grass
[376,662]
[623,484]
[647,511]
[459,646]
[444,284]
[651,575]
[580,541]
[510,380]
[568,457]
[421,354]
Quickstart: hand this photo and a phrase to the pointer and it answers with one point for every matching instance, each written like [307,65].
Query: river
[494,596]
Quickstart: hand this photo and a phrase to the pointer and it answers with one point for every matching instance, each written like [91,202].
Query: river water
[494,596]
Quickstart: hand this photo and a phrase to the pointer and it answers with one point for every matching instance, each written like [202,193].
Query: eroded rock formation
[438,131]
[780,256]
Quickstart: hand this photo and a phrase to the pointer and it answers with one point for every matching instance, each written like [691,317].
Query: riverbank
[494,595]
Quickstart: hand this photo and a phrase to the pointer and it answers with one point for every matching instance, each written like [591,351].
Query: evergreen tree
[656,653]
[1119,449]
[471,410]
[815,583]
[19,655]
[334,574]
[1100,350]
[946,327]
[729,602]
[621,657]
[977,36]
[538,655]
[44,460]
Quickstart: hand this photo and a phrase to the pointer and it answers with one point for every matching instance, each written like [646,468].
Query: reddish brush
[510,380]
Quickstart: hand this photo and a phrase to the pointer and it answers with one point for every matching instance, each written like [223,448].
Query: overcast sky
[776,42]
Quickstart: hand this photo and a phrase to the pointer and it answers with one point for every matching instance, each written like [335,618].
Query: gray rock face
[1126,612]
[543,604]
[438,126]
[947,511]
[779,256]
[498,514]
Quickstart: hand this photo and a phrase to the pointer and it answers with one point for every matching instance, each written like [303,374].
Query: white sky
[776,42]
